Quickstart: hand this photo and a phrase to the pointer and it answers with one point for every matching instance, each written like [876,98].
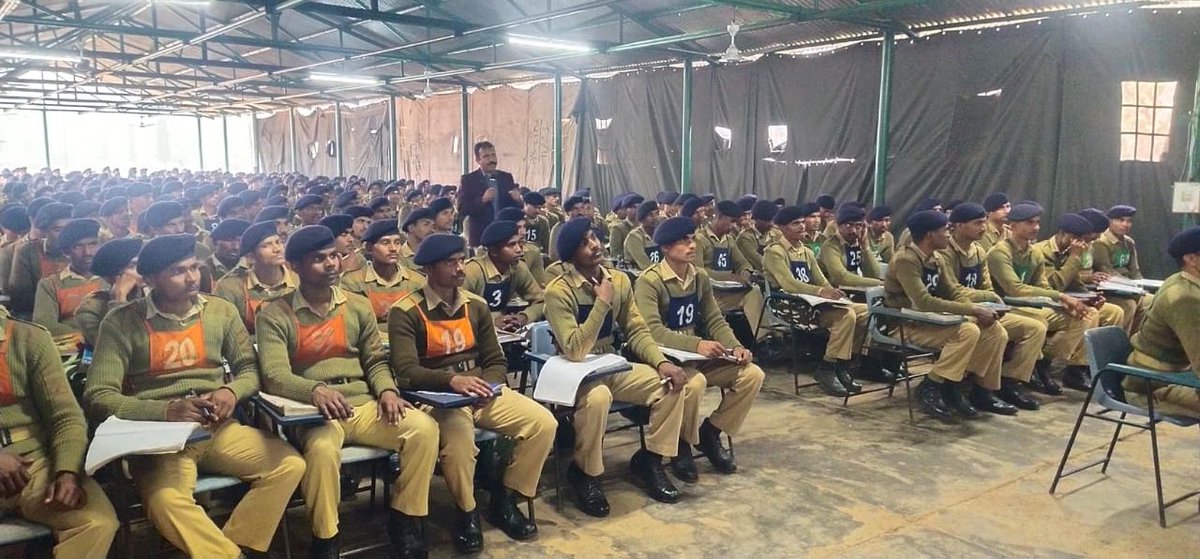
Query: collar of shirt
[490,271]
[288,280]
[299,302]
[716,239]
[576,279]
[668,274]
[197,306]
[924,258]
[371,276]
[959,248]
[68,274]
[1191,278]
[1016,247]
[406,250]
[433,300]
[1111,238]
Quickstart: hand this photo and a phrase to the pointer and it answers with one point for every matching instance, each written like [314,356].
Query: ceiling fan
[732,55]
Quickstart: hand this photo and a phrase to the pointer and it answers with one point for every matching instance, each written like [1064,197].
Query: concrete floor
[820,480]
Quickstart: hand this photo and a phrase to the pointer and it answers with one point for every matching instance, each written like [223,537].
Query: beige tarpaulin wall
[519,122]
[365,140]
[274,145]
[314,134]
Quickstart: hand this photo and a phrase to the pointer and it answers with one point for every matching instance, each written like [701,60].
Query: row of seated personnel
[322,344]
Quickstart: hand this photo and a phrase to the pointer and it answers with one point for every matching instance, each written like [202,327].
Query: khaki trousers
[1065,332]
[641,386]
[1029,335]
[1135,310]
[741,384]
[964,347]
[166,483]
[847,327]
[82,533]
[1170,399]
[511,414]
[414,438]
[750,302]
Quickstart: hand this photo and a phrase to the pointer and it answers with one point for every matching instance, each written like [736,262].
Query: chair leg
[287,536]
[1071,441]
[1162,509]
[795,366]
[908,391]
[529,507]
[1112,445]
[374,480]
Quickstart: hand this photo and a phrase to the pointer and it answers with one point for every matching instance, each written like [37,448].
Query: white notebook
[116,438]
[288,407]
[559,379]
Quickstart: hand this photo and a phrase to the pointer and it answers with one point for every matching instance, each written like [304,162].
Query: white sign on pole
[1187,198]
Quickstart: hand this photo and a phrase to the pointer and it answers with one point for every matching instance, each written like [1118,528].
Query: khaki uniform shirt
[537,231]
[853,266]
[676,308]
[485,280]
[915,281]
[967,272]
[883,246]
[793,268]
[641,250]
[1063,270]
[1116,256]
[1018,273]
[382,293]
[992,236]
[718,255]
[583,324]
[1171,331]
[433,340]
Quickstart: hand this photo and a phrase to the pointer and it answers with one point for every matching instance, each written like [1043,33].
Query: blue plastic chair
[38,539]
[1108,348]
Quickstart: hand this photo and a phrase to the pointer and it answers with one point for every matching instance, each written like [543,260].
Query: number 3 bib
[174,351]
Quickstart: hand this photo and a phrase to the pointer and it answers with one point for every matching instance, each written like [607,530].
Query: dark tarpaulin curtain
[274,145]
[365,136]
[314,131]
[1052,133]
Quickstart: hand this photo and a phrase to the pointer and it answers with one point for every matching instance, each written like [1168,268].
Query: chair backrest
[879,335]
[541,341]
[1106,346]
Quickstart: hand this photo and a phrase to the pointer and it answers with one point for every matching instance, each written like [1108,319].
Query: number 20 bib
[174,351]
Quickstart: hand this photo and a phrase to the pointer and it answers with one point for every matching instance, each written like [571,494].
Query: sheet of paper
[119,437]
[1120,288]
[683,356]
[508,337]
[286,406]
[1149,284]
[815,300]
[730,285]
[559,379]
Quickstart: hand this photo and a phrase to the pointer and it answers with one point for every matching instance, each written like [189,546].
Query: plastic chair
[37,538]
[1108,347]
[793,317]
[880,340]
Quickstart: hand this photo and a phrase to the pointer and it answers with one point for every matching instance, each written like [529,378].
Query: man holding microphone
[485,191]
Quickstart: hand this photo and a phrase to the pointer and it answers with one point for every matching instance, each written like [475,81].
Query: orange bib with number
[381,302]
[177,351]
[70,297]
[7,395]
[320,341]
[447,337]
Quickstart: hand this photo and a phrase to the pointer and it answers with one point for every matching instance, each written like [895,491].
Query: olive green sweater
[121,383]
[406,334]
[46,311]
[27,272]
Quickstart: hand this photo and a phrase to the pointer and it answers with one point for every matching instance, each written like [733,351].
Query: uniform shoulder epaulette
[409,301]
[474,297]
[28,323]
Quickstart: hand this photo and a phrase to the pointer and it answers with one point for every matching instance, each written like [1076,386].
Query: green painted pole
[293,140]
[393,140]
[884,120]
[337,138]
[225,138]
[200,141]
[685,145]
[558,132]
[466,130]
[1193,152]
[46,136]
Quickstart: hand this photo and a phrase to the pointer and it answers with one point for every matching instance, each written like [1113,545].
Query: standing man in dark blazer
[485,191]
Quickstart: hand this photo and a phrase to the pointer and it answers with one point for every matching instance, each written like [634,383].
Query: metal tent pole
[685,146]
[558,132]
[200,141]
[883,121]
[46,136]
[292,140]
[466,129]
[337,138]
[225,139]
[1193,153]
[393,141]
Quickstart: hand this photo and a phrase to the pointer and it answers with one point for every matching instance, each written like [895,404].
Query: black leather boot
[325,548]
[843,375]
[1045,382]
[254,553]
[588,495]
[929,399]
[468,532]
[1077,377]
[873,368]
[647,466]
[683,465]
[955,401]
[504,514]
[826,377]
[1011,392]
[405,533]
[984,400]
[710,446]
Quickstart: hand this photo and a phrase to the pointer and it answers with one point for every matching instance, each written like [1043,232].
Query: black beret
[809,208]
[412,195]
[683,198]
[922,222]
[278,190]
[251,196]
[439,205]
[308,200]
[380,229]
[967,211]
[510,214]
[573,201]
[1024,211]
[230,229]
[86,208]
[358,211]
[71,198]
[994,201]
[1074,224]
[764,210]
[307,240]
[1121,211]
[729,208]
[1186,242]
[417,215]
[237,188]
[163,251]
[338,223]
[534,199]
[618,201]
[850,212]
[206,189]
[673,230]
[550,191]
[320,190]
[1097,218]
[666,198]
[229,205]
[37,204]
[788,214]
[345,199]
[77,230]
[826,202]
[159,213]
[690,207]
[646,208]
[15,218]
[708,198]
[276,201]
[50,213]
[114,256]
[746,203]
[927,204]
[271,213]
[110,193]
[570,236]
[632,200]
[378,203]
[390,189]
[255,235]
[138,189]
[497,233]
[879,212]
[438,247]
[585,193]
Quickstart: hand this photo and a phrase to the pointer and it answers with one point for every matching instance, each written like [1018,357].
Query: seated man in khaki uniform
[45,441]
[152,356]
[676,300]
[997,207]
[500,273]
[116,263]
[37,258]
[623,223]
[847,262]
[879,234]
[384,281]
[443,338]
[1169,339]
[790,266]
[321,345]
[1114,253]
[639,243]
[415,227]
[717,253]
[975,346]
[583,306]
[537,227]
[265,278]
[1018,271]
[531,252]
[227,251]
[59,295]
[754,239]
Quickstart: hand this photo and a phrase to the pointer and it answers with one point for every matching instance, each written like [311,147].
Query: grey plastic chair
[1108,348]
[38,539]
